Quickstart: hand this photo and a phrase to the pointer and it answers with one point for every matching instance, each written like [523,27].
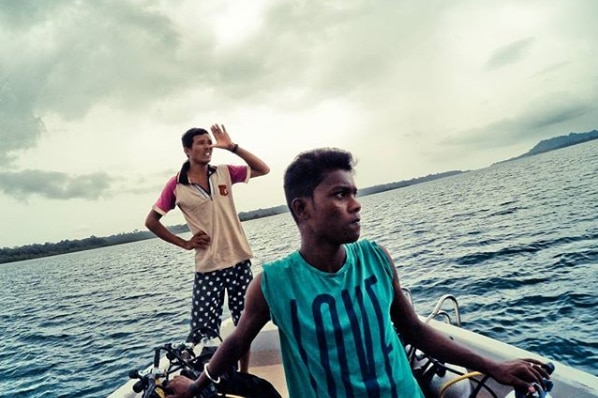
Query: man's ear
[186,150]
[299,208]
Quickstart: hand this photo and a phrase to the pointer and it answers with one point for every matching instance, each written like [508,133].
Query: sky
[95,95]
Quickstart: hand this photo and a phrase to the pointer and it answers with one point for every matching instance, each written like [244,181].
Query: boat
[266,363]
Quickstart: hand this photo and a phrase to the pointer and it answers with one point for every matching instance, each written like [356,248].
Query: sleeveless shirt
[335,330]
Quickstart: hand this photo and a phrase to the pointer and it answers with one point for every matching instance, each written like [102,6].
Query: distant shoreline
[36,250]
[27,252]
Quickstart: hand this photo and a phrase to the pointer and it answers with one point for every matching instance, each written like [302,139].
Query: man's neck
[198,174]
[198,167]
[326,258]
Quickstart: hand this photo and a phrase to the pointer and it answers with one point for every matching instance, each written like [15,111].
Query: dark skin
[327,220]
[200,155]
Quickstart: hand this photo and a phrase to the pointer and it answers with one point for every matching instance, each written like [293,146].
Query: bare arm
[258,166]
[519,373]
[255,315]
[152,222]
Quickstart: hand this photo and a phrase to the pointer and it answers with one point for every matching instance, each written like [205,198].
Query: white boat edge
[568,381]
[265,362]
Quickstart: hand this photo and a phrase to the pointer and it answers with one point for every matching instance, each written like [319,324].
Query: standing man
[337,301]
[203,192]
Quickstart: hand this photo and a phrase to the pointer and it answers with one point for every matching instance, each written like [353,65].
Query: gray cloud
[25,12]
[19,128]
[534,123]
[53,185]
[101,51]
[114,51]
[333,51]
[509,54]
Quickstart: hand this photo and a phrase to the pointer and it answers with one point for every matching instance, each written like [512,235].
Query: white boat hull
[266,362]
[568,382]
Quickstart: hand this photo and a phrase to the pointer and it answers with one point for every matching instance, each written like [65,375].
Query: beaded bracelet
[205,370]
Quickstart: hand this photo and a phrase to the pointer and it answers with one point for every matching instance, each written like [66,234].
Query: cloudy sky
[94,95]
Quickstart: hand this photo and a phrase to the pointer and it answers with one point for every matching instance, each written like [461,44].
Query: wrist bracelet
[235,147]
[205,370]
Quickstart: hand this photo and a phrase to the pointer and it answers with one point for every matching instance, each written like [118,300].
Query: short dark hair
[187,138]
[309,168]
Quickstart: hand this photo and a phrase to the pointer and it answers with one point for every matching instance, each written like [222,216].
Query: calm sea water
[517,243]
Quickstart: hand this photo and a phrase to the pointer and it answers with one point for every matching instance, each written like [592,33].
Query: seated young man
[336,302]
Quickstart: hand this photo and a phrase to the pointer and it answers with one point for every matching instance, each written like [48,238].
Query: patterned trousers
[208,299]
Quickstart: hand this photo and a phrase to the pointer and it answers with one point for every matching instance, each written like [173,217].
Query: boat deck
[265,360]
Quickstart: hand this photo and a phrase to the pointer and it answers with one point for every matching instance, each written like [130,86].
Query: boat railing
[439,312]
[407,294]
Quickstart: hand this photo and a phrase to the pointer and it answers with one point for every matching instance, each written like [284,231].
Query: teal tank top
[336,335]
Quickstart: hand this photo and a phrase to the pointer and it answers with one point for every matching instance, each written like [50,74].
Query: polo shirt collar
[183,177]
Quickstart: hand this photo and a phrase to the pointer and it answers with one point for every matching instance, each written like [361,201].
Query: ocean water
[517,243]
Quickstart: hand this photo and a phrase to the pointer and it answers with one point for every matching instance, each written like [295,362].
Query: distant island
[68,246]
[554,143]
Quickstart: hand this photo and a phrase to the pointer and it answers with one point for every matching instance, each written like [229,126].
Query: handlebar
[182,359]
[539,391]
[147,380]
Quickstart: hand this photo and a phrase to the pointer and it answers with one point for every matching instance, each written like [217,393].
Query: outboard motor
[540,392]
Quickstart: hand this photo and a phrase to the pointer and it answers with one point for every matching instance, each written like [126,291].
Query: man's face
[334,209]
[201,149]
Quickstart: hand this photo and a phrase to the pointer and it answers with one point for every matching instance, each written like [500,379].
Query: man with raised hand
[204,194]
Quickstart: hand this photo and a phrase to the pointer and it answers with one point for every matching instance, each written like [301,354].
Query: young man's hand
[222,138]
[179,387]
[521,373]
[200,240]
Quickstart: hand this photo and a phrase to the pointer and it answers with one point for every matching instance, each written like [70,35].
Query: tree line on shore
[37,250]
[68,246]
